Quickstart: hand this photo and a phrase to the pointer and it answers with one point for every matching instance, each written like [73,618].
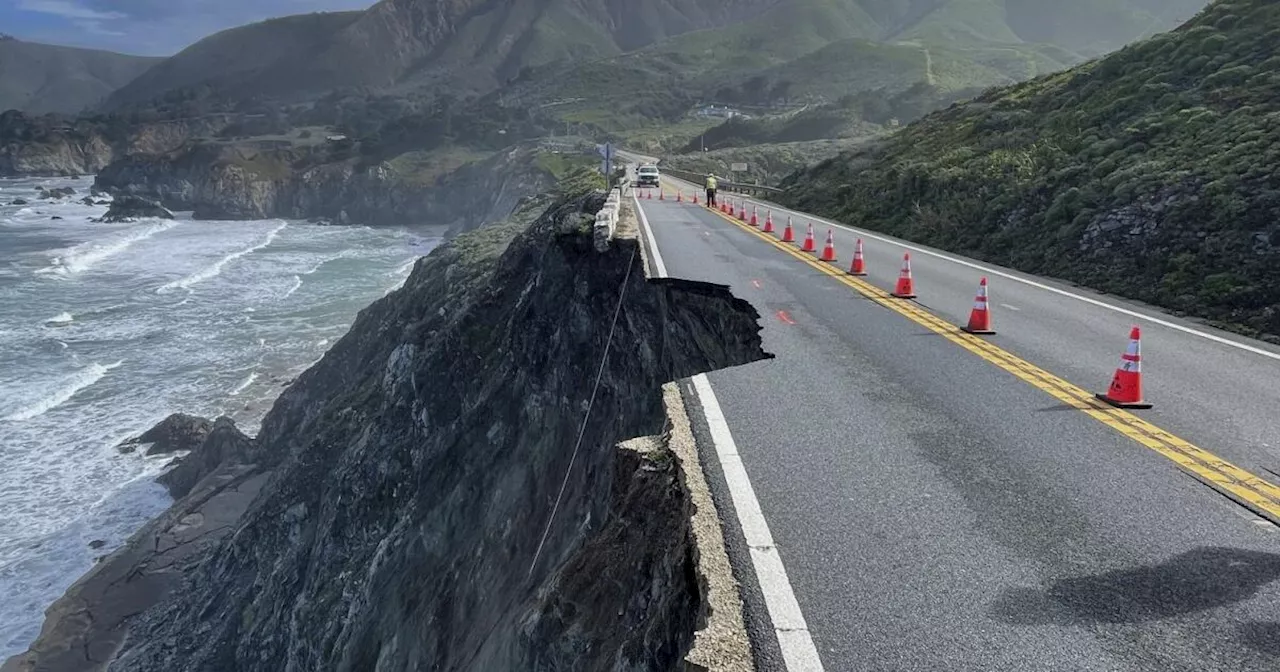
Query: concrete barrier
[699,179]
[607,219]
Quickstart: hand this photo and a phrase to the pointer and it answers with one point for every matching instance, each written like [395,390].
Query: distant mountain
[472,45]
[1152,173]
[476,46]
[40,78]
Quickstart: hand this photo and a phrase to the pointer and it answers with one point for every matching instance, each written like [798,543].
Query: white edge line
[1038,285]
[789,626]
[658,267]
[798,651]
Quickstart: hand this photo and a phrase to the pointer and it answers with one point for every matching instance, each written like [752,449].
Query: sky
[145,27]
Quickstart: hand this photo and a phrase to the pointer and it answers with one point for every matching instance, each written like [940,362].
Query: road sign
[738,168]
[606,166]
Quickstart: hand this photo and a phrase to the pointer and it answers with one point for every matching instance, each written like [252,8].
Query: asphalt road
[935,512]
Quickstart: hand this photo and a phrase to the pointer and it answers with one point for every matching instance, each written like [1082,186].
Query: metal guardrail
[699,179]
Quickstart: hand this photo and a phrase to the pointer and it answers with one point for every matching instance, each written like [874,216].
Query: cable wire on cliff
[590,403]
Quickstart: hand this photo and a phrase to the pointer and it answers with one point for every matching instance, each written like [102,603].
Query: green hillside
[43,78]
[475,47]
[234,59]
[1153,173]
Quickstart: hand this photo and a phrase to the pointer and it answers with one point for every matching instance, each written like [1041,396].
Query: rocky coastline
[230,183]
[39,147]
[399,508]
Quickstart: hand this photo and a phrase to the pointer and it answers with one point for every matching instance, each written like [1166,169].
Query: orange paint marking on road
[782,315]
[756,283]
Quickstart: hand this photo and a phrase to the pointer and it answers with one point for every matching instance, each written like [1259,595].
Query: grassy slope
[780,35]
[807,53]
[227,59]
[1153,173]
[766,164]
[41,78]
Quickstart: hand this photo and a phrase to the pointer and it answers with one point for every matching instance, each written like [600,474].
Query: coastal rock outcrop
[50,146]
[240,183]
[453,486]
[177,433]
[129,208]
[55,193]
[222,444]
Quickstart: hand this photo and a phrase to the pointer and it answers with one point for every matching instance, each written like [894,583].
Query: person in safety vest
[711,190]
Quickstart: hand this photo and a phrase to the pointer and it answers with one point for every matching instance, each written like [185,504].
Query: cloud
[94,27]
[68,10]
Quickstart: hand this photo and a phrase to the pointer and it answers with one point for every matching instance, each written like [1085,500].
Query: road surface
[929,500]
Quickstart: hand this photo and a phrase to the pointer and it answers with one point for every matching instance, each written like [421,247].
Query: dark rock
[177,433]
[224,444]
[97,543]
[88,200]
[95,611]
[19,201]
[55,217]
[129,208]
[56,193]
[395,511]
[216,182]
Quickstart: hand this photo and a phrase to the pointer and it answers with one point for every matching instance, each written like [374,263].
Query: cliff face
[232,183]
[37,147]
[65,154]
[445,489]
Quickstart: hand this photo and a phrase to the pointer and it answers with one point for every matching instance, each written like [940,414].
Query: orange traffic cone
[1126,385]
[859,266]
[980,316]
[695,198]
[768,221]
[662,195]
[742,211]
[906,288]
[680,196]
[829,250]
[755,210]
[788,234]
[809,245]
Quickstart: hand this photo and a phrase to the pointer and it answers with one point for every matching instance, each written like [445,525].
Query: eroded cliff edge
[433,494]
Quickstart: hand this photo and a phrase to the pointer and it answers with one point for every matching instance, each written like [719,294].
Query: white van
[647,175]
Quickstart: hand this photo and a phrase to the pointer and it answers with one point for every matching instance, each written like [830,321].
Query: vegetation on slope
[1153,173]
[766,164]
[43,78]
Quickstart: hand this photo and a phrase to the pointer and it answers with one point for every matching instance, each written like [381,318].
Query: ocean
[105,329]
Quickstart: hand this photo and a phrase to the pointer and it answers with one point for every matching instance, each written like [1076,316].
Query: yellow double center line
[1242,486]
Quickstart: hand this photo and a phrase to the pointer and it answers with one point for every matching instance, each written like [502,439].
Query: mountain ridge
[41,78]
[477,46]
